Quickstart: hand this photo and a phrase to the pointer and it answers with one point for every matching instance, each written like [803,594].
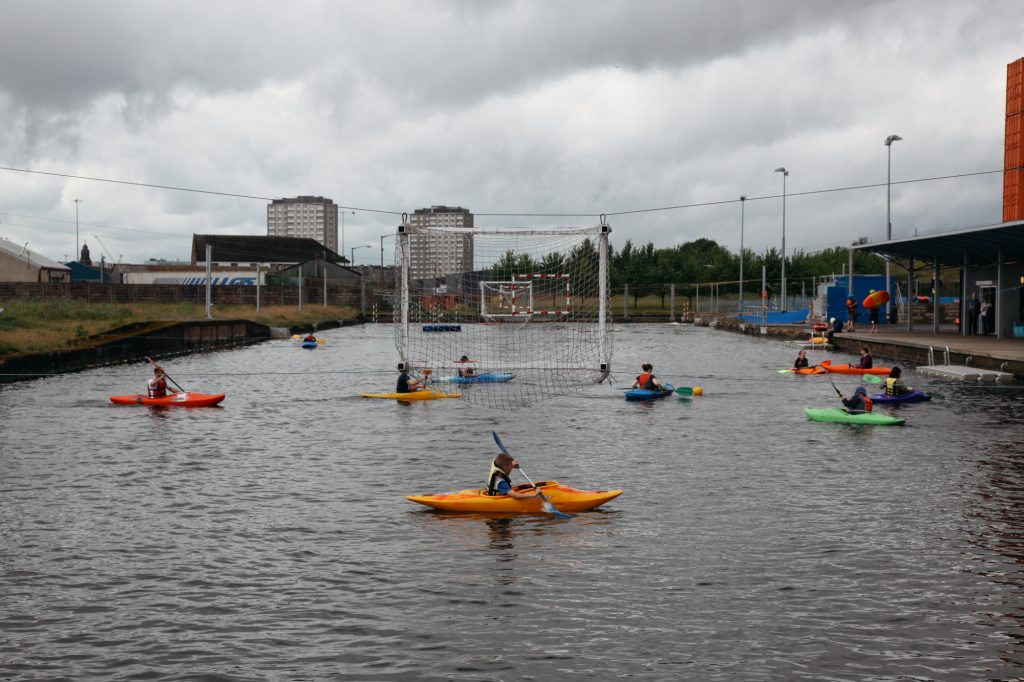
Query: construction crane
[105,251]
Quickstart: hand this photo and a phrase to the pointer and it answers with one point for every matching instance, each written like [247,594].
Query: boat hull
[839,416]
[186,399]
[848,369]
[427,394]
[565,499]
[646,394]
[485,378]
[915,396]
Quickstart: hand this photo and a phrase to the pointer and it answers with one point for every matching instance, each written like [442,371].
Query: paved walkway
[990,346]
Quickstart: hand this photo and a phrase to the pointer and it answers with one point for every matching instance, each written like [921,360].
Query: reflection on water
[270,538]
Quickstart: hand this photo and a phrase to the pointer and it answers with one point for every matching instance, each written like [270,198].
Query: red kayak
[186,399]
[853,369]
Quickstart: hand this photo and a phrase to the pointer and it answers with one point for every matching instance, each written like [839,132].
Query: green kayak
[836,414]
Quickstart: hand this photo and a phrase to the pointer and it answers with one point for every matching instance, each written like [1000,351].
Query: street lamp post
[888,216]
[743,205]
[78,252]
[352,259]
[380,280]
[343,212]
[785,173]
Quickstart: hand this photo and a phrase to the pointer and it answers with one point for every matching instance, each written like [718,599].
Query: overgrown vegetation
[39,325]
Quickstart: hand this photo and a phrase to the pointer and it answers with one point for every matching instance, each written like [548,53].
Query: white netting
[516,301]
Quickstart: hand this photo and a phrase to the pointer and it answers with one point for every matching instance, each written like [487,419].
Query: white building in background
[441,253]
[304,216]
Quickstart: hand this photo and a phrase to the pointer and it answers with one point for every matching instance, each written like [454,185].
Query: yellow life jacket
[493,479]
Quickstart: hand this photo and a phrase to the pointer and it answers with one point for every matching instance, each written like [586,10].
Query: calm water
[270,539]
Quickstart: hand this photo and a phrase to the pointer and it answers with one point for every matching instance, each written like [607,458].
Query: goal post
[531,303]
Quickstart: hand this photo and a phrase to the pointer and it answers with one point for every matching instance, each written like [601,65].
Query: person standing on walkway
[851,314]
[973,308]
[874,320]
[984,316]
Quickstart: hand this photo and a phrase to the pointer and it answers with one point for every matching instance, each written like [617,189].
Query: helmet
[895,373]
[860,391]
[833,320]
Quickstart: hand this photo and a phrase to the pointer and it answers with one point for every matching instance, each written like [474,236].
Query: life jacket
[494,477]
[157,388]
[890,386]
[868,405]
[646,381]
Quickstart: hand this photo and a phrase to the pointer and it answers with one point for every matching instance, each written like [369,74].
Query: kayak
[876,299]
[836,414]
[565,499]
[309,344]
[486,377]
[186,399]
[426,394]
[915,396]
[648,394]
[853,369]
[804,370]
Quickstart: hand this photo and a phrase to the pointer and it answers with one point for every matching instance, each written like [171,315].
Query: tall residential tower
[304,216]
[445,254]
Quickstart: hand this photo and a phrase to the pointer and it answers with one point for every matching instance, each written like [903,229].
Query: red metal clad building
[1013,166]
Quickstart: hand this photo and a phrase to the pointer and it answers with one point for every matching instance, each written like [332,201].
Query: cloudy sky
[527,112]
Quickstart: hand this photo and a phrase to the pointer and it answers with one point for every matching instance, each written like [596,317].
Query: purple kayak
[915,396]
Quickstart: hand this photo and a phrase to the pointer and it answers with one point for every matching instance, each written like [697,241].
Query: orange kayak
[848,369]
[565,499]
[186,399]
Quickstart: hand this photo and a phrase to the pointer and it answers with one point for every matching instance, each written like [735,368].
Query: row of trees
[703,260]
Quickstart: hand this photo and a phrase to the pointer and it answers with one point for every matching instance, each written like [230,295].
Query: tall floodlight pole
[743,204]
[78,252]
[888,216]
[785,173]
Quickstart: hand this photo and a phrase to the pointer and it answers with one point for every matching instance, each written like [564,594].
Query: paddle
[168,376]
[872,378]
[787,370]
[544,501]
[684,390]
[838,392]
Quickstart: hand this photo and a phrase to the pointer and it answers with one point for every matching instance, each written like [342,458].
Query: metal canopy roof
[980,245]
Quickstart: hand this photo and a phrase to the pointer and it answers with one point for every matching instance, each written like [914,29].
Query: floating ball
[697,390]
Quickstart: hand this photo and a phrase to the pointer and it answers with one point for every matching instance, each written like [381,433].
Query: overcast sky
[504,107]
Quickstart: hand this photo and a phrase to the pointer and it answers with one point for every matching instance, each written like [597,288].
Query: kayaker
[893,385]
[310,338]
[801,360]
[406,384]
[465,369]
[858,403]
[835,327]
[865,359]
[157,386]
[498,481]
[647,380]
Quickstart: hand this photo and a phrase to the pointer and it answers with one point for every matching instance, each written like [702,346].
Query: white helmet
[833,320]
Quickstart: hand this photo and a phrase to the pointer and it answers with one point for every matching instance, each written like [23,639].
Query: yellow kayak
[427,394]
[565,499]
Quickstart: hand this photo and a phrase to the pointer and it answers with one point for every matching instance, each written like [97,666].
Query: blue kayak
[486,377]
[647,394]
[915,396]
[309,344]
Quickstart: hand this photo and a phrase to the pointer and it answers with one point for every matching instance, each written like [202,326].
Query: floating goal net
[525,310]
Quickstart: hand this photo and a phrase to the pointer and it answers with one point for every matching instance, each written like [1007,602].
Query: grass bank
[38,326]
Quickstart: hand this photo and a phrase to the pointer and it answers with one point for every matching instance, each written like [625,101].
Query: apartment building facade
[304,216]
[440,254]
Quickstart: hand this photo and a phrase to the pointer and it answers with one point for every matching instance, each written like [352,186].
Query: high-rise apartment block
[440,253]
[305,216]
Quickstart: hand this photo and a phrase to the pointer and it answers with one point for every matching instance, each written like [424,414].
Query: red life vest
[645,381]
[867,403]
[157,388]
